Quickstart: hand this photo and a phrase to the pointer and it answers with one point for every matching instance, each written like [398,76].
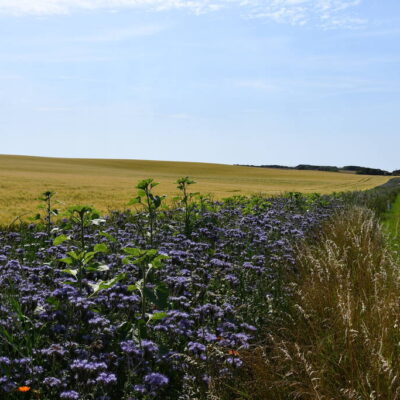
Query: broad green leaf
[60,239]
[101,248]
[136,200]
[88,256]
[73,272]
[157,316]
[102,285]
[66,260]
[133,251]
[74,255]
[136,286]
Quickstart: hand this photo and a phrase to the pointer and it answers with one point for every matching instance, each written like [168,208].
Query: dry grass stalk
[341,340]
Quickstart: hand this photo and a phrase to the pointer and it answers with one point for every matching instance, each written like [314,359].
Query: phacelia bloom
[70,395]
[156,380]
[52,382]
[106,378]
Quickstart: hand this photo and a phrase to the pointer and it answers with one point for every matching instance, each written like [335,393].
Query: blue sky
[229,81]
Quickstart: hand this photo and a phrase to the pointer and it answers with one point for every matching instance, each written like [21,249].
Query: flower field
[154,304]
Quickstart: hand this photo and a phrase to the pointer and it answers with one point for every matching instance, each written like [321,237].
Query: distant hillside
[327,168]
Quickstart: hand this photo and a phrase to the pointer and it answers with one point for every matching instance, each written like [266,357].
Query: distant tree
[365,171]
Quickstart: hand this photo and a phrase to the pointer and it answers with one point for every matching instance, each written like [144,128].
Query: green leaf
[158,296]
[151,253]
[91,269]
[71,283]
[132,251]
[158,261]
[88,256]
[60,239]
[108,236]
[74,255]
[73,272]
[102,285]
[157,201]
[157,316]
[136,286]
[136,200]
[66,260]
[101,248]
[144,184]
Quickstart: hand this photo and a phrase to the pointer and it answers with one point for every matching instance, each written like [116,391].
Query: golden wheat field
[109,184]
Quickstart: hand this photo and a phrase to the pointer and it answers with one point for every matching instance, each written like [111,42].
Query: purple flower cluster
[216,287]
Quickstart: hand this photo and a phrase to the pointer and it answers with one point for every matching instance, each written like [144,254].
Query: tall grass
[341,337]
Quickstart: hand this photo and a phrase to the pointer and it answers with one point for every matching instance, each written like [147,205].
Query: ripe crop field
[109,184]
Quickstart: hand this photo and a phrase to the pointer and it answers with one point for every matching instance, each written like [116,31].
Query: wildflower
[156,379]
[52,381]
[70,395]
[24,389]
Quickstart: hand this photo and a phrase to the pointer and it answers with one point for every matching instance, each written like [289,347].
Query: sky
[225,81]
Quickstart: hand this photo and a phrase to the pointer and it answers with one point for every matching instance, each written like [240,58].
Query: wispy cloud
[325,85]
[325,13]
[118,35]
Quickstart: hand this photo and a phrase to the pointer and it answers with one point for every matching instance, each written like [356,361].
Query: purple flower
[52,382]
[156,380]
[70,395]
[106,378]
[197,349]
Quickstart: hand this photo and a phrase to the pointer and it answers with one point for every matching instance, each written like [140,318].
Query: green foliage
[81,262]
[49,211]
[148,261]
[102,285]
[60,239]
[149,201]
[186,200]
[82,216]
